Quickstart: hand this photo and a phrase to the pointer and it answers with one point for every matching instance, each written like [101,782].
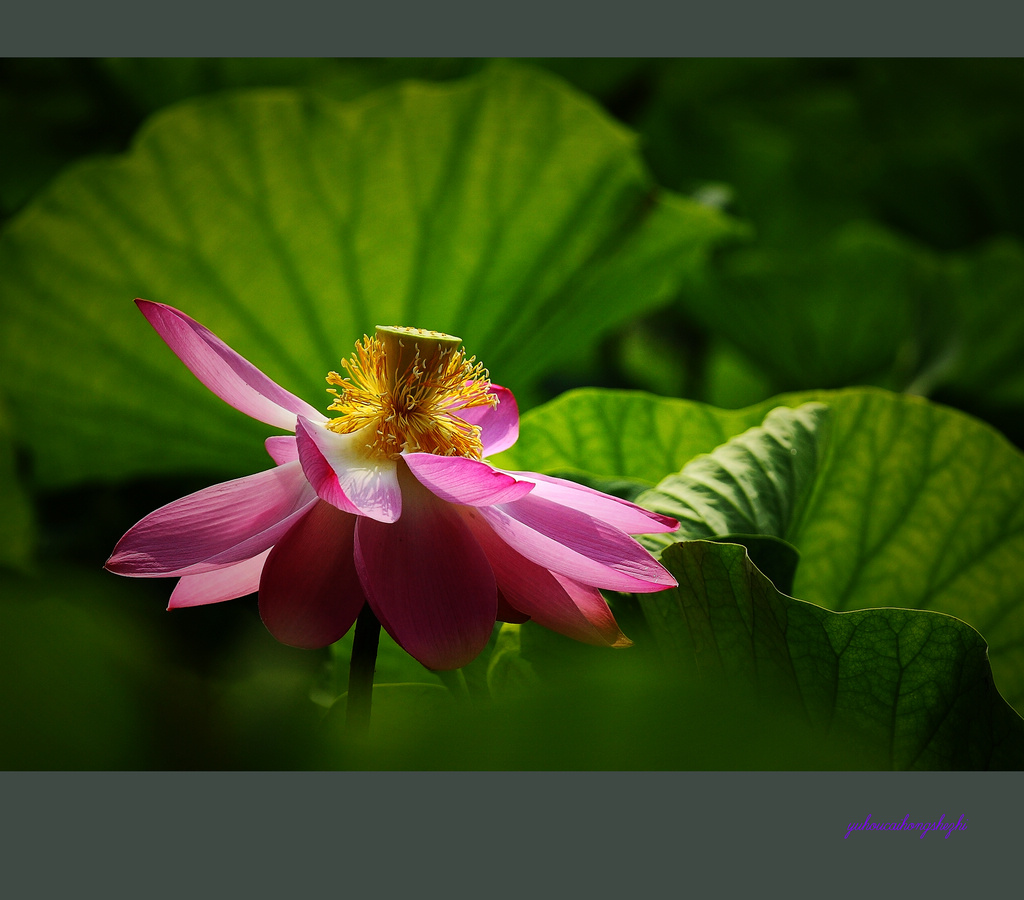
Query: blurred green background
[871,234]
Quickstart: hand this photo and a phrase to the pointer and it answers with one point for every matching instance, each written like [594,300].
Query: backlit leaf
[291,224]
[915,505]
[915,688]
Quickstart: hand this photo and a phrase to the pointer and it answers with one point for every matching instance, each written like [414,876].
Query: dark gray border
[528,27]
[495,835]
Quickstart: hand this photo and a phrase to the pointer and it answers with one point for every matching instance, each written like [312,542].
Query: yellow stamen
[409,384]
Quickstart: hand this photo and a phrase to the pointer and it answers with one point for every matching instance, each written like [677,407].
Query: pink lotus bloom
[390,503]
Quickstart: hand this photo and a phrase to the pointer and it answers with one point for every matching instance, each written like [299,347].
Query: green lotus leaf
[915,505]
[914,688]
[505,208]
[754,484]
[622,435]
[987,362]
[861,305]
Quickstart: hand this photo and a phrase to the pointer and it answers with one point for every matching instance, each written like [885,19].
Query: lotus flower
[391,503]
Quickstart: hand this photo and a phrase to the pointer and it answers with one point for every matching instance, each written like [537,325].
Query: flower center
[409,384]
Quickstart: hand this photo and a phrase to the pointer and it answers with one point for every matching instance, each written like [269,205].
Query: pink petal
[428,580]
[572,543]
[467,481]
[215,527]
[282,448]
[554,601]
[499,425]
[310,593]
[345,475]
[625,516]
[228,583]
[231,377]
[590,602]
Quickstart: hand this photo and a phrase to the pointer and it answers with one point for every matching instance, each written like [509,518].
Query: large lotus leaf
[948,138]
[913,687]
[915,504]
[988,348]
[780,140]
[931,146]
[506,209]
[754,484]
[860,306]
[621,434]
[867,306]
[808,147]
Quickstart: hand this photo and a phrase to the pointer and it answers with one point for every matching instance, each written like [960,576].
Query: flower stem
[360,672]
